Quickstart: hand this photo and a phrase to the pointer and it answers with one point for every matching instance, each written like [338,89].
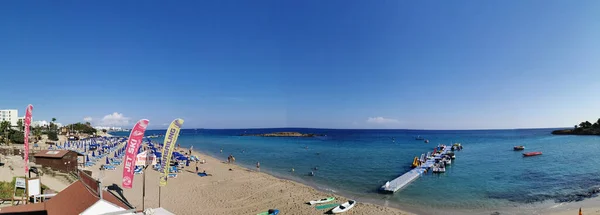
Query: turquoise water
[486,176]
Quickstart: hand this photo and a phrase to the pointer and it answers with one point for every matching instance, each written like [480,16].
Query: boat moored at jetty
[437,161]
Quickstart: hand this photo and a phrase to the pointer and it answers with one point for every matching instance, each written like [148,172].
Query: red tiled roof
[30,208]
[72,200]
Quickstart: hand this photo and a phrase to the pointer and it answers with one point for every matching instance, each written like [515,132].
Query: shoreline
[590,205]
[240,191]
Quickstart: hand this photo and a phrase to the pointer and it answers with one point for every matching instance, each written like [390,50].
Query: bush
[17,137]
[52,136]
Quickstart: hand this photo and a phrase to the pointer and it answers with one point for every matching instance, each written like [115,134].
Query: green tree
[20,124]
[17,137]
[37,132]
[5,128]
[52,136]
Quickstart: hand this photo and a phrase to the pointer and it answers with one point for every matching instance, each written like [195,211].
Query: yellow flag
[168,146]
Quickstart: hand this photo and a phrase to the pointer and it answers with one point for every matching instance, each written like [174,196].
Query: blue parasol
[93,154]
[107,160]
[87,158]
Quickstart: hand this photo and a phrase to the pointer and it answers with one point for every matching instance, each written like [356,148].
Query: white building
[42,123]
[11,115]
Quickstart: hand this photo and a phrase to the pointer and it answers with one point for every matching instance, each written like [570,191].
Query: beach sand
[240,191]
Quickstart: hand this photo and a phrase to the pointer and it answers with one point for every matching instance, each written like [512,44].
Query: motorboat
[439,169]
[529,154]
[519,148]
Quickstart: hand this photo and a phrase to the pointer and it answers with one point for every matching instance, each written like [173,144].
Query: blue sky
[328,64]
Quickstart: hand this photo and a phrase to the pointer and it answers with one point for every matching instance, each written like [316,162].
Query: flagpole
[144,189]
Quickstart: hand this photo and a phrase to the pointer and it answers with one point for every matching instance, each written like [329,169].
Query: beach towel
[321,207]
[201,174]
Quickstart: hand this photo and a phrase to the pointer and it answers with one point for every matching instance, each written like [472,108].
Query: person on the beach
[258,166]
[196,169]
[221,150]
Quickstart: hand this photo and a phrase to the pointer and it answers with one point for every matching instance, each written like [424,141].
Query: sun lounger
[172,175]
[109,167]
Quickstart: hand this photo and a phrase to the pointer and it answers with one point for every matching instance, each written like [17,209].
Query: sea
[486,177]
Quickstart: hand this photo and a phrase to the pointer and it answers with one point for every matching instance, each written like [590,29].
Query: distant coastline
[584,128]
[283,134]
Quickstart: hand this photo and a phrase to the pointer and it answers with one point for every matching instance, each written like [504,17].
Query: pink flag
[26,145]
[133,144]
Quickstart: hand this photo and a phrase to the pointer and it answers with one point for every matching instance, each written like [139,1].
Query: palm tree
[20,125]
[5,127]
[37,132]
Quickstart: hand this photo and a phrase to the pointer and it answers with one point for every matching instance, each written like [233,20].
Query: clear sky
[327,64]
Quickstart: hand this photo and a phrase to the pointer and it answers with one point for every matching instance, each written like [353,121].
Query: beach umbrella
[87,158]
[107,160]
[93,154]
[115,154]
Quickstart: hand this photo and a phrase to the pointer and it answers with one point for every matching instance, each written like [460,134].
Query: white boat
[439,169]
[322,200]
[344,207]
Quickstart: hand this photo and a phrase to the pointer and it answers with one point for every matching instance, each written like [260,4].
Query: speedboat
[448,161]
[344,207]
[439,169]
[519,148]
[419,138]
[529,154]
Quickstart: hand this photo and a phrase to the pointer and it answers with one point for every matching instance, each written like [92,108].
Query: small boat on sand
[519,148]
[344,207]
[329,199]
[529,154]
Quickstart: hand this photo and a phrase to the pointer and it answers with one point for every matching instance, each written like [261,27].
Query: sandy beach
[239,191]
[236,191]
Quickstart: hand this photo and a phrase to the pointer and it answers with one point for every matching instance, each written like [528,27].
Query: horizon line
[408,129]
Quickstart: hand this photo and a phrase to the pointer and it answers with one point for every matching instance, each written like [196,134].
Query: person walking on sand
[196,169]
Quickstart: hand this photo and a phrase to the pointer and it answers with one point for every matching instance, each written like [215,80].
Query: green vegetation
[5,129]
[6,189]
[584,128]
[20,125]
[85,128]
[53,136]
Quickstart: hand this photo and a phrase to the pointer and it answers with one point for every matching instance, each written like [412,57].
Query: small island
[584,128]
[283,134]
